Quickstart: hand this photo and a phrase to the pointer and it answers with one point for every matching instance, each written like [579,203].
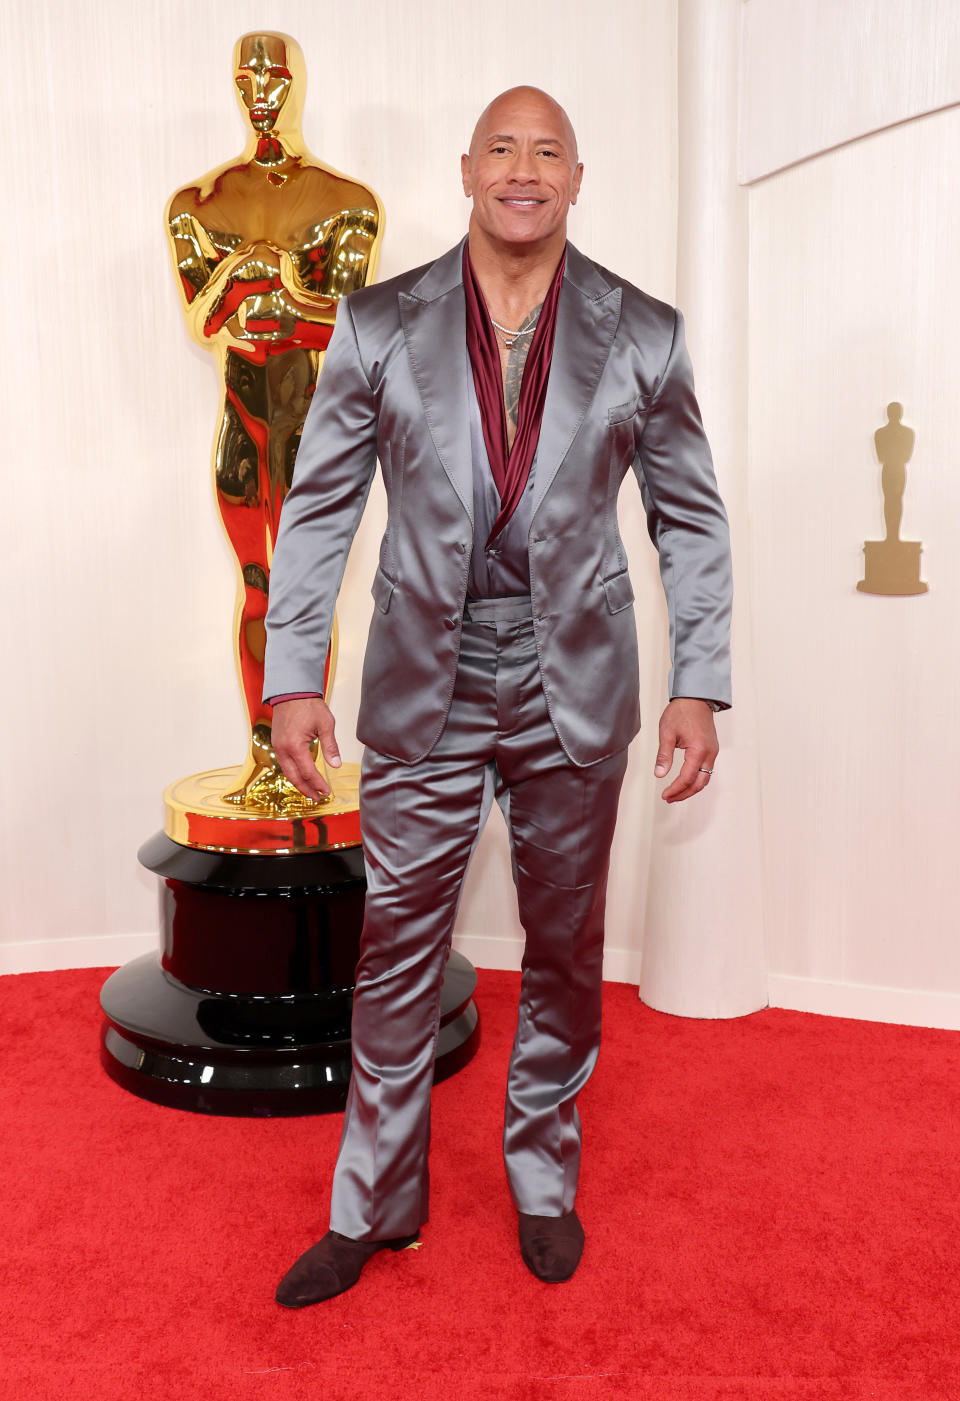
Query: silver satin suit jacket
[394,387]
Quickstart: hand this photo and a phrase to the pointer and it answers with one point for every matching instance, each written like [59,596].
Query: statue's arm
[206,261]
[333,258]
[200,255]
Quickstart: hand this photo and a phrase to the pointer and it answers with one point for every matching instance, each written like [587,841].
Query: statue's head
[894,412]
[270,75]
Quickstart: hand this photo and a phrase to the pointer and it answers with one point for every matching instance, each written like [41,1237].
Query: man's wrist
[294,695]
[714,705]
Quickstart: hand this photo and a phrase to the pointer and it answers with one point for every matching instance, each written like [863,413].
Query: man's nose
[523,169]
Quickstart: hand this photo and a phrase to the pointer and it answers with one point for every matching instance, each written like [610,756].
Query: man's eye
[550,153]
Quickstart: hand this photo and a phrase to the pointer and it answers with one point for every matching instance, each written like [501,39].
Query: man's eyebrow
[540,141]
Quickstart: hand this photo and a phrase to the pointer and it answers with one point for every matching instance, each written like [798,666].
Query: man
[506,389]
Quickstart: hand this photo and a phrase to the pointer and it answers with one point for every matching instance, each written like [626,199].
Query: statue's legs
[262,415]
[893,480]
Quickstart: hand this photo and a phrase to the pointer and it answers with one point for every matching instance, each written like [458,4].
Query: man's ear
[465,176]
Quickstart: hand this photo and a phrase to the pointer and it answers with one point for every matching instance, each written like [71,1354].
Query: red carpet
[770,1207]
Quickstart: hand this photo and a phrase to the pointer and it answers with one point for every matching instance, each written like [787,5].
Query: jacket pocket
[382,589]
[620,413]
[619,591]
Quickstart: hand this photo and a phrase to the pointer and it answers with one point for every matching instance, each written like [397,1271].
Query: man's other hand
[686,724]
[297,725]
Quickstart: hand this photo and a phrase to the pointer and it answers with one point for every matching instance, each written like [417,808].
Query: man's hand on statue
[297,724]
[686,724]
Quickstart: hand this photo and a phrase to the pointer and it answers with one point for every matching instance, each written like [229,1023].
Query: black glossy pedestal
[246,1009]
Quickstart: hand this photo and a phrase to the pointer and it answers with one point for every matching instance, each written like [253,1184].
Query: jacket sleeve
[332,475]
[688,525]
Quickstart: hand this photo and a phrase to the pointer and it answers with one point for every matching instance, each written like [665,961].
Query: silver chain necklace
[510,336]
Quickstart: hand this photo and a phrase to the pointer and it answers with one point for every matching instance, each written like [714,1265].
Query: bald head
[526,103]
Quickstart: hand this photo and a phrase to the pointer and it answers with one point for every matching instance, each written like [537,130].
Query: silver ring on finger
[706,770]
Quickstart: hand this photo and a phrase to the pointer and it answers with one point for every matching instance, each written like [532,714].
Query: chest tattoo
[513,361]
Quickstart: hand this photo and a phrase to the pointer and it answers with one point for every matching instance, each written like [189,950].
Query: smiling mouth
[521,203]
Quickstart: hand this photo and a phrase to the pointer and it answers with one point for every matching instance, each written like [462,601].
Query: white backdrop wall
[854,289]
[817,74]
[120,674]
[839,284]
[853,293]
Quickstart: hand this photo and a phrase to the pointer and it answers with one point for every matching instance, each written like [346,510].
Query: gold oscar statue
[246,1006]
[263,248]
[892,565]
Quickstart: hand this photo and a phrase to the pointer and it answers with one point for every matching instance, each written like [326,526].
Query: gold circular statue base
[196,814]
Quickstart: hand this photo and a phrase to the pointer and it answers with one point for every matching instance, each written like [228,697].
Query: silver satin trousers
[420,824]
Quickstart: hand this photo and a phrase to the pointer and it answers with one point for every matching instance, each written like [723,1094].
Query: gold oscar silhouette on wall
[892,565]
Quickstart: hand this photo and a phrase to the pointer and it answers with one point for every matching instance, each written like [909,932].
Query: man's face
[263,81]
[522,171]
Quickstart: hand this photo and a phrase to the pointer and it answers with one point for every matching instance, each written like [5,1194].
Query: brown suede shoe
[551,1246]
[330,1267]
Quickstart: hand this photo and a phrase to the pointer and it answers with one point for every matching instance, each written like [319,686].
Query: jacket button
[450,623]
[461,547]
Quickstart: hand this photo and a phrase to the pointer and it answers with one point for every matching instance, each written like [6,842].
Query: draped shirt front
[503,569]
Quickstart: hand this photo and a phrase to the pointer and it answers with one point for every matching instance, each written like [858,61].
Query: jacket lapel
[433,317]
[434,323]
[588,314]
